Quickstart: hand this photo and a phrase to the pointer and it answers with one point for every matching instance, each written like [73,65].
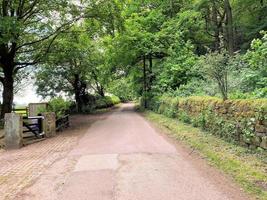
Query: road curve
[122,157]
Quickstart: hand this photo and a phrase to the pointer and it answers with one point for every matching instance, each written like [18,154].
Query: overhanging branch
[57,31]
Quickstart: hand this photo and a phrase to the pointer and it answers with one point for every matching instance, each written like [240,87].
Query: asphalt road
[121,156]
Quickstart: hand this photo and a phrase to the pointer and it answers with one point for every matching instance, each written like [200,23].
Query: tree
[256,61]
[155,44]
[28,28]
[67,67]
[215,65]
[229,27]
[250,18]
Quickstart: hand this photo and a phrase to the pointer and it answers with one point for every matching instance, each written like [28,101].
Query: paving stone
[19,168]
[97,162]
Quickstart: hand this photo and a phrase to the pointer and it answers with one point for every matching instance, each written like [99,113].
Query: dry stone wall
[2,136]
[244,121]
[248,116]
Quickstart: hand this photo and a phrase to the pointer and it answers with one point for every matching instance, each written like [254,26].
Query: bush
[107,101]
[122,88]
[184,117]
[57,105]
[115,100]
[168,106]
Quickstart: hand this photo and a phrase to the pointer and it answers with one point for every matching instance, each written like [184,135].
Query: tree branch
[30,10]
[1,79]
[57,31]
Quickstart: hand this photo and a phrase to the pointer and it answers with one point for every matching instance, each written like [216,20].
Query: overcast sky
[27,95]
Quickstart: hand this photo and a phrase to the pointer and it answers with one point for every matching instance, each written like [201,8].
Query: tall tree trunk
[8,92]
[101,92]
[78,96]
[145,82]
[79,104]
[229,27]
[216,28]
[171,8]
[99,87]
[150,77]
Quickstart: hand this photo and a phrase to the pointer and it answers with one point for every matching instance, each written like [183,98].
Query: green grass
[21,111]
[247,168]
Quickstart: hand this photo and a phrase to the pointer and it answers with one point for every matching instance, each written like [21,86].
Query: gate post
[49,125]
[13,131]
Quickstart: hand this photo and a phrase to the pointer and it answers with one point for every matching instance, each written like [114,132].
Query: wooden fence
[62,122]
[33,126]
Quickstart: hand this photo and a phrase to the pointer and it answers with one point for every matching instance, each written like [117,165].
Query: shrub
[154,104]
[184,117]
[57,105]
[168,106]
[107,101]
[115,100]
[202,120]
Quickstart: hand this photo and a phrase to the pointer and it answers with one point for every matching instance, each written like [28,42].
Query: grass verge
[247,168]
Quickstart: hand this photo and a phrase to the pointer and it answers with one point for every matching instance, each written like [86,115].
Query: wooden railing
[34,125]
[62,122]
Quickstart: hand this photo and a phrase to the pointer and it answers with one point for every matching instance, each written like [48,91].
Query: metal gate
[34,125]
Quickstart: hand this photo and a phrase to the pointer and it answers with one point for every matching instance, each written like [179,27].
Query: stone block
[260,128]
[256,141]
[264,142]
[253,147]
[13,131]
[2,137]
[34,108]
[49,124]
[244,139]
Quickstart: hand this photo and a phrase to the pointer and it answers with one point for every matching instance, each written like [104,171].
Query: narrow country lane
[122,157]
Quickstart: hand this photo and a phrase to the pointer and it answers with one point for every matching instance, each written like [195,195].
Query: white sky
[27,95]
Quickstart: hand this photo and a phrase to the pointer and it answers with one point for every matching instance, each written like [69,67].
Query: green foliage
[238,77]
[27,31]
[248,129]
[257,56]
[57,105]
[200,121]
[215,66]
[122,88]
[176,69]
[136,48]
[115,100]
[166,105]
[184,117]
[106,102]
[66,66]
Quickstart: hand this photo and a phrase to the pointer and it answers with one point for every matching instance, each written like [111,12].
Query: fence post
[40,124]
[49,124]
[68,121]
[13,131]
